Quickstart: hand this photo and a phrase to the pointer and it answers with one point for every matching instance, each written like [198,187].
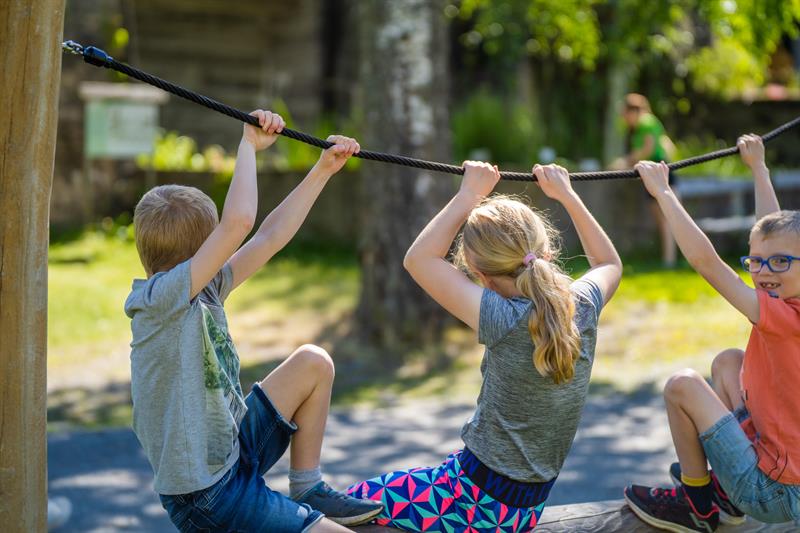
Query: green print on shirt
[225,405]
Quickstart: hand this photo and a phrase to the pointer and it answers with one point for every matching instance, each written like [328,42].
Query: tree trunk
[30,59]
[617,81]
[405,100]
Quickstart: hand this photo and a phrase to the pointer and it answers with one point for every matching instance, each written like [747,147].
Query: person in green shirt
[648,141]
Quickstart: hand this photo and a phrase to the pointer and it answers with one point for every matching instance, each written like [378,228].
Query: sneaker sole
[724,517]
[355,520]
[655,522]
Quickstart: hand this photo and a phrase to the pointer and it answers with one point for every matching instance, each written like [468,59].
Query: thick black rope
[95,56]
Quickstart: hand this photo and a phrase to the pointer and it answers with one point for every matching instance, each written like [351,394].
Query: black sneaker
[728,513]
[669,509]
[339,507]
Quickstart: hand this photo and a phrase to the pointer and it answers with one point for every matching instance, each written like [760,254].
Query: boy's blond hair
[785,221]
[171,222]
[497,236]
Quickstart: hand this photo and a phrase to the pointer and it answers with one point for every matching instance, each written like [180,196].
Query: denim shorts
[241,501]
[735,463]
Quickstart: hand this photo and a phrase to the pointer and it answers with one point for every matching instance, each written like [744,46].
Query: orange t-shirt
[771,384]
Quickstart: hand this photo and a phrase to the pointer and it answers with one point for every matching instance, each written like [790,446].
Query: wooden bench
[609,516]
[734,191]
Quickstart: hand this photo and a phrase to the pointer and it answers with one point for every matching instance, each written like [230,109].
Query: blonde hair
[171,222]
[497,236]
[785,221]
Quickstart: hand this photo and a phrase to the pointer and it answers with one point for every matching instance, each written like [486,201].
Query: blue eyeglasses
[775,263]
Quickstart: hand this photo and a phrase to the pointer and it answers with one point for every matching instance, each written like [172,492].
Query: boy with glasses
[747,425]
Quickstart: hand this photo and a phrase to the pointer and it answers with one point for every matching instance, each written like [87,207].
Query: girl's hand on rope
[554,181]
[479,178]
[333,159]
[751,149]
[654,175]
[271,125]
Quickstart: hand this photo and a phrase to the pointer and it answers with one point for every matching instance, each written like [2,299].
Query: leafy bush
[291,155]
[730,167]
[500,132]
[175,152]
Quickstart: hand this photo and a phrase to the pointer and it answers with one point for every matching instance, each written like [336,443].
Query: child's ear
[486,281]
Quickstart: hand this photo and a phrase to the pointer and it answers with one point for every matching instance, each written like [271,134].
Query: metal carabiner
[72,47]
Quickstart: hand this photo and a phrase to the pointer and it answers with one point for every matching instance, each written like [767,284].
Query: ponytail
[555,337]
[505,237]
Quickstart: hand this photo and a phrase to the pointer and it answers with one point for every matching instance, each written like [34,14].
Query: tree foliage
[721,45]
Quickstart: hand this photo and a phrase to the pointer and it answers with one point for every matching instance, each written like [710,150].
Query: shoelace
[664,495]
[330,492]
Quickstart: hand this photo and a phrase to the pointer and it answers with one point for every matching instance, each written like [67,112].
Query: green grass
[659,321]
[89,280]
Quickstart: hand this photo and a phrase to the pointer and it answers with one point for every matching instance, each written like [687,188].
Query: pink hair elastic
[530,258]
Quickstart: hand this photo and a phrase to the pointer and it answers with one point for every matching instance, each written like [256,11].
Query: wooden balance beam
[609,516]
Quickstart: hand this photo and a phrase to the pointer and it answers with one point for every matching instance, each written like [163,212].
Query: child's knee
[729,360]
[315,360]
[681,384]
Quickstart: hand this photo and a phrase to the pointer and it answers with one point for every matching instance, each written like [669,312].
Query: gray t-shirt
[187,401]
[524,424]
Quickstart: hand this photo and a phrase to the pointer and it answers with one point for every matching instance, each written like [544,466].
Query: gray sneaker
[339,507]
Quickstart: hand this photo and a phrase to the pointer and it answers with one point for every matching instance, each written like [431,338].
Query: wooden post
[30,60]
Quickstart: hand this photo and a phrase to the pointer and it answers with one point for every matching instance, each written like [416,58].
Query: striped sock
[698,491]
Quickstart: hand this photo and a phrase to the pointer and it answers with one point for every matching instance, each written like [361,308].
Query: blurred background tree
[602,49]
[404,80]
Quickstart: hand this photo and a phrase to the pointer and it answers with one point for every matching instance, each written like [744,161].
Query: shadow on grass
[90,408]
[364,374]
[366,380]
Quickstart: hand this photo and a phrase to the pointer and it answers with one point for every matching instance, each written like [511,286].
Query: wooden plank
[699,188]
[702,187]
[30,59]
[615,516]
[726,224]
[612,516]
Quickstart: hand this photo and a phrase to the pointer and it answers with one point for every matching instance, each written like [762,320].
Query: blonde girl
[539,328]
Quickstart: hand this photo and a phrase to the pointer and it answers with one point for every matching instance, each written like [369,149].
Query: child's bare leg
[300,388]
[725,372]
[328,526]
[692,408]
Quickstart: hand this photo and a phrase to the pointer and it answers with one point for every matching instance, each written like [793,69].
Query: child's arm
[606,266]
[751,149]
[239,211]
[695,245]
[283,222]
[425,259]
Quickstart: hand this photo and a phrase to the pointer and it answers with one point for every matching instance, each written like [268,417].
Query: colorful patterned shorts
[442,499]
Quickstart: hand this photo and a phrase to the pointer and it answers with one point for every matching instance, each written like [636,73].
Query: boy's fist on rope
[751,148]
[333,159]
[271,125]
